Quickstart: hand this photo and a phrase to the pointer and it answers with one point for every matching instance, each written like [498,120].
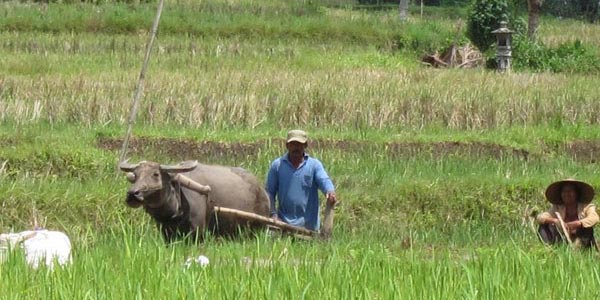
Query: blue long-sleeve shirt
[296,190]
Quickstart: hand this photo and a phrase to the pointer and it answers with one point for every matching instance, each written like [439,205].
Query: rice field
[138,266]
[437,170]
[214,84]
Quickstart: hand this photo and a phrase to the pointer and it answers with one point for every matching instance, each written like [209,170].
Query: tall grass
[213,95]
[134,264]
[280,19]
[554,31]
[352,69]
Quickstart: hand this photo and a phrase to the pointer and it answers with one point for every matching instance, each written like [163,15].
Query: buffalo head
[150,179]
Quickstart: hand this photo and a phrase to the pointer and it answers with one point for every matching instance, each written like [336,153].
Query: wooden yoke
[193,185]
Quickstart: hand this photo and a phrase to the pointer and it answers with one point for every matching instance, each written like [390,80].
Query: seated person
[572,200]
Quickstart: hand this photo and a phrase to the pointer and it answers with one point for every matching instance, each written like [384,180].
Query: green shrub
[484,17]
[571,57]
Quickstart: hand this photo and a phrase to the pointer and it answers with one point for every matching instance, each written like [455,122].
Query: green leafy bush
[484,17]
[571,57]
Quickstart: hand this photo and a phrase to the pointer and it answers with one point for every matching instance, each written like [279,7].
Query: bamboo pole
[140,84]
[264,220]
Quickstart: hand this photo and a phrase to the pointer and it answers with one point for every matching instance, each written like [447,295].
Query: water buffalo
[180,211]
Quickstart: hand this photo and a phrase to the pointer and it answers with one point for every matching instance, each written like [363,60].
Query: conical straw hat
[584,190]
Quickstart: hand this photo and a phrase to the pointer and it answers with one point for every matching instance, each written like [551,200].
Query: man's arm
[324,183]
[548,217]
[272,186]
[590,216]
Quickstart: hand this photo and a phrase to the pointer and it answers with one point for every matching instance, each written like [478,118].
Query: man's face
[296,149]
[569,194]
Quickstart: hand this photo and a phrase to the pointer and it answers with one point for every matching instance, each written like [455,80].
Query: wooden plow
[297,231]
[284,227]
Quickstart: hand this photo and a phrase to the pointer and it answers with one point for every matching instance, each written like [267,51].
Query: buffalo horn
[127,167]
[184,166]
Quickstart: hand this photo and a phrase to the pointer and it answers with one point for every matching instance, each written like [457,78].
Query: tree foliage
[484,17]
[587,9]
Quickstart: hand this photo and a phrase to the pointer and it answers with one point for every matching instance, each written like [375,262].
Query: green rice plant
[347,96]
[133,263]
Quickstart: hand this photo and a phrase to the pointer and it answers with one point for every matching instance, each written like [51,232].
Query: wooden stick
[327,229]
[34,217]
[263,220]
[193,185]
[140,84]
[564,228]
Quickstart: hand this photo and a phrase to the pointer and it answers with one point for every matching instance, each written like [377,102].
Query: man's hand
[573,226]
[553,221]
[331,198]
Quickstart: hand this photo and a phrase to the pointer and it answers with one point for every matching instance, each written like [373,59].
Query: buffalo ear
[184,166]
[127,167]
[130,177]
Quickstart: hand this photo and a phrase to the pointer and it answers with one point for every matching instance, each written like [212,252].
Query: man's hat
[585,192]
[297,136]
